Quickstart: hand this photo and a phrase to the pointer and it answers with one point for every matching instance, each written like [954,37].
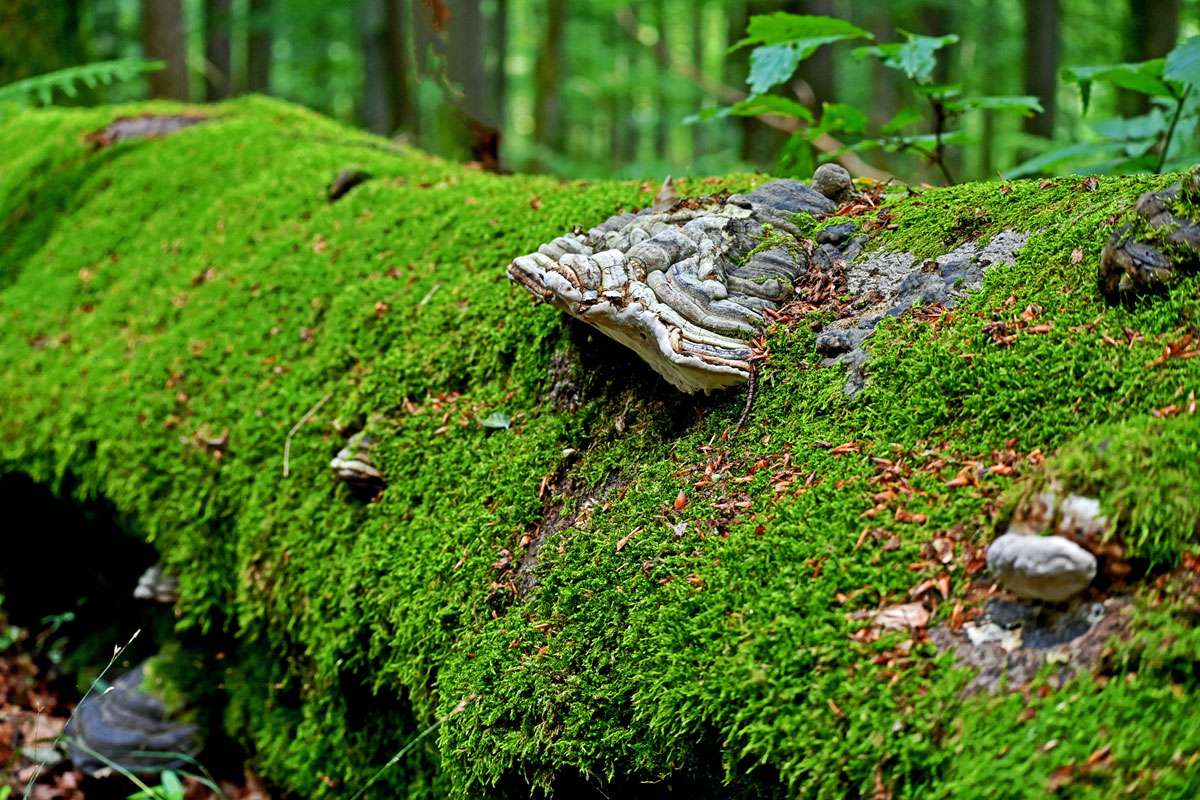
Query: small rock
[836,234]
[833,181]
[833,343]
[1049,568]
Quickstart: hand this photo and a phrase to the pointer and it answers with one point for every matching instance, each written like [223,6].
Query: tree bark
[816,72]
[498,80]
[162,38]
[699,132]
[547,123]
[398,69]
[375,110]
[218,53]
[1153,31]
[465,57]
[1042,47]
[663,81]
[259,47]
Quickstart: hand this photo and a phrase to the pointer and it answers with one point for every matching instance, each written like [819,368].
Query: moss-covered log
[581,578]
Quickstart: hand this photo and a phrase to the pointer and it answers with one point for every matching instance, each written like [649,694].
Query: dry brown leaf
[906,615]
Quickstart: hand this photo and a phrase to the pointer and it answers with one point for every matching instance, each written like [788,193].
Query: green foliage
[916,57]
[169,788]
[785,40]
[201,282]
[41,88]
[1164,138]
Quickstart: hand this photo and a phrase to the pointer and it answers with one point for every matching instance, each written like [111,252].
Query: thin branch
[939,148]
[727,94]
[287,444]
[1162,156]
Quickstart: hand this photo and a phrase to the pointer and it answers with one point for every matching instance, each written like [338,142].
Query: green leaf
[1063,155]
[755,107]
[171,785]
[770,104]
[1146,126]
[497,420]
[803,31]
[1183,63]
[1143,77]
[1026,105]
[42,87]
[902,119]
[915,57]
[771,65]
[842,117]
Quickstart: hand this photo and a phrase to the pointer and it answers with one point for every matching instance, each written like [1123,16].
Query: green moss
[158,293]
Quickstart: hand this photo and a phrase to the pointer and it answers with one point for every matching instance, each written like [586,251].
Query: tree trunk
[817,72]
[258,47]
[375,110]
[547,124]
[1042,45]
[1153,31]
[498,80]
[465,57]
[218,54]
[664,81]
[162,38]
[398,69]
[699,132]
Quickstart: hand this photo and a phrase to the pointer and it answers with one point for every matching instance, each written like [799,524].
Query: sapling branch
[1166,144]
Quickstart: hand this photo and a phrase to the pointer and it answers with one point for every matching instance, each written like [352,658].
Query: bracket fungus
[1150,254]
[684,287]
[353,466]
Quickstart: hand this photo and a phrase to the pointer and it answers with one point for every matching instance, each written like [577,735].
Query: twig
[749,401]
[287,444]
[1162,156]
[939,148]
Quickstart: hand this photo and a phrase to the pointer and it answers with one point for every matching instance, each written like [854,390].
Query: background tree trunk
[375,109]
[1042,46]
[498,79]
[1153,31]
[465,57]
[398,69]
[547,122]
[218,53]
[664,83]
[163,39]
[259,47]
[816,74]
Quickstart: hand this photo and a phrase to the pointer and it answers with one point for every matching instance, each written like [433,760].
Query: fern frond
[41,88]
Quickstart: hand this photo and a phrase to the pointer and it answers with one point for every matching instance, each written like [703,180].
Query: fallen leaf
[680,501]
[907,615]
[1076,255]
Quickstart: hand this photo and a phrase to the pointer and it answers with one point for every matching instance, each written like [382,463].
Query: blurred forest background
[598,87]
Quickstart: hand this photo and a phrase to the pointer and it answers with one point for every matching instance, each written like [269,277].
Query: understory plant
[783,41]
[1162,139]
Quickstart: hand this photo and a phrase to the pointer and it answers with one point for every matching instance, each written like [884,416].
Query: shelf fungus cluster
[686,286]
[353,466]
[1162,243]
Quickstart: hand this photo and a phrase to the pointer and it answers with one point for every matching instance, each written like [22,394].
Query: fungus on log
[1149,254]
[684,287]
